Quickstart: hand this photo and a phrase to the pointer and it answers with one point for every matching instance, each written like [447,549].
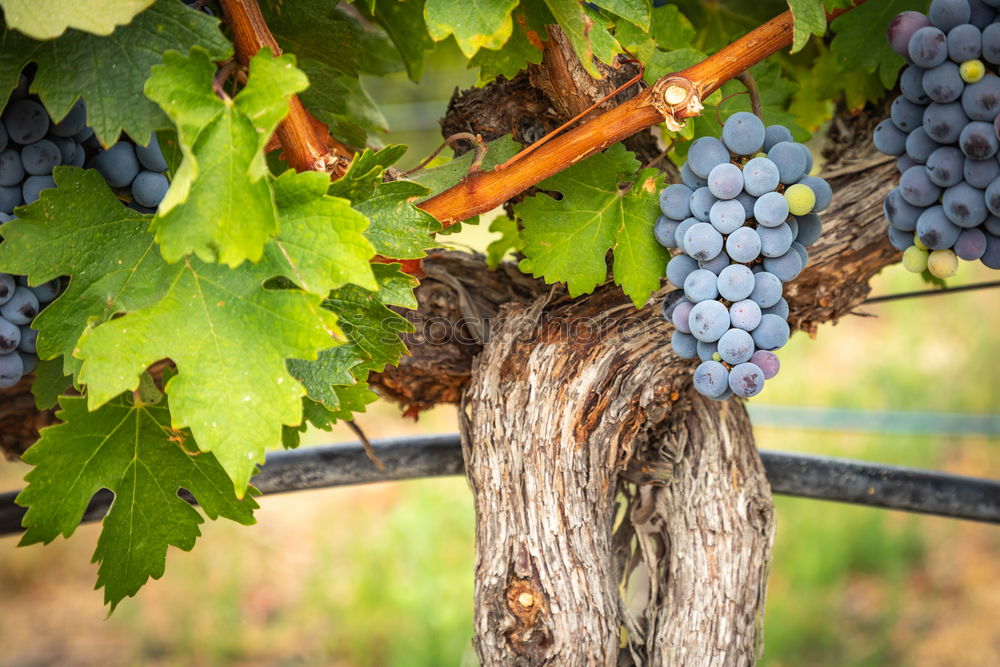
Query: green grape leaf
[109,72]
[227,213]
[589,38]
[404,23]
[322,244]
[669,30]
[81,230]
[50,382]
[440,178]
[860,41]
[510,240]
[47,19]
[636,12]
[398,228]
[365,173]
[809,19]
[520,50]
[341,102]
[476,25]
[666,62]
[132,450]
[324,32]
[607,202]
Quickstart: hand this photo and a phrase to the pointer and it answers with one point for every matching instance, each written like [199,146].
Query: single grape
[40,157]
[928,47]
[681,316]
[971,244]
[73,123]
[917,189]
[888,138]
[964,205]
[904,162]
[671,300]
[29,361]
[803,253]
[965,43]
[746,380]
[685,345]
[943,124]
[786,267]
[21,308]
[981,100]
[118,165]
[708,321]
[707,351]
[767,289]
[972,71]
[67,148]
[747,200]
[775,134]
[944,166]
[745,314]
[743,245]
[702,241]
[47,291]
[9,198]
[772,332]
[743,133]
[982,13]
[980,173]
[678,269]
[801,199]
[760,176]
[690,179]
[725,181]
[7,287]
[716,264]
[11,370]
[991,257]
[736,346]
[946,14]
[149,188]
[11,168]
[775,241]
[991,44]
[33,186]
[901,30]
[29,337]
[682,230]
[4,139]
[735,282]
[978,140]
[10,336]
[705,153]
[25,121]
[728,215]
[911,84]
[664,230]
[992,196]
[810,229]
[701,285]
[711,378]
[771,209]
[821,190]
[942,84]
[942,263]
[914,259]
[793,224]
[900,240]
[767,362]
[701,204]
[152,158]
[790,161]
[674,201]
[780,309]
[935,230]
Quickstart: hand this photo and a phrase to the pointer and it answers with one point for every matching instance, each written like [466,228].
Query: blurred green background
[382,574]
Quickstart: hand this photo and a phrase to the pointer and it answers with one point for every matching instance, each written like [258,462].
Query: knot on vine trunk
[528,605]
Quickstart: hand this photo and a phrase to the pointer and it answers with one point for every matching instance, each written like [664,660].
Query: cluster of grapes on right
[944,130]
[742,219]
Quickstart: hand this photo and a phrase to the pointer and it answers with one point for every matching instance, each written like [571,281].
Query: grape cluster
[742,220]
[944,130]
[31,146]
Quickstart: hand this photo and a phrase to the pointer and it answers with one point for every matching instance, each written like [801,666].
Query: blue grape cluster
[742,219]
[31,146]
[944,130]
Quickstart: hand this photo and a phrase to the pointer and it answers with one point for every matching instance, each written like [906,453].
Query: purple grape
[711,378]
[899,213]
[73,123]
[678,269]
[935,230]
[727,215]
[943,123]
[702,241]
[708,321]
[919,145]
[978,140]
[11,168]
[790,160]
[21,308]
[760,176]
[911,84]
[971,244]
[716,264]
[771,209]
[691,179]
[946,14]
[965,42]
[743,133]
[700,285]
[775,241]
[10,337]
[25,121]
[917,189]
[745,315]
[775,134]
[746,380]
[736,346]
[900,240]
[772,332]
[743,245]
[671,300]
[735,282]
[701,204]
[675,201]
[707,351]
[991,44]
[725,181]
[681,315]
[11,370]
[942,84]
[664,230]
[928,47]
[705,153]
[822,190]
[29,336]
[682,230]
[810,229]
[786,267]
[767,362]
[901,30]
[40,157]
[981,100]
[7,287]
[151,156]
[980,173]
[944,166]
[964,205]
[780,309]
[767,289]
[991,257]
[685,345]
[889,139]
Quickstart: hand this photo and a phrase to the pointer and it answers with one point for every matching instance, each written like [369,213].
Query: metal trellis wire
[807,476]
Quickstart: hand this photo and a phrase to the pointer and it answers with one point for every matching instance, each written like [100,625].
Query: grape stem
[746,78]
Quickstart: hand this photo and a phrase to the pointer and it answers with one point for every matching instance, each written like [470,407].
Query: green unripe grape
[915,259]
[942,263]
[972,71]
[917,242]
[716,356]
[800,198]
